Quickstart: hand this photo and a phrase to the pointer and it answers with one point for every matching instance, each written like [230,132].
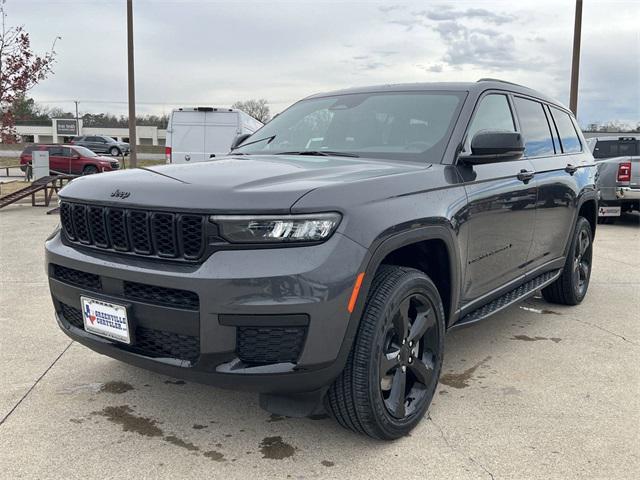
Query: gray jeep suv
[102,144]
[323,260]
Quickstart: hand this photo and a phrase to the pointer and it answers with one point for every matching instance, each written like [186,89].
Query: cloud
[391,8]
[445,13]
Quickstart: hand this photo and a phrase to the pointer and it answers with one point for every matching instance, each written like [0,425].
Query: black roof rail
[488,79]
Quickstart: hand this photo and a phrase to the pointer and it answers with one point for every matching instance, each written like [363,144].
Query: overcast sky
[208,52]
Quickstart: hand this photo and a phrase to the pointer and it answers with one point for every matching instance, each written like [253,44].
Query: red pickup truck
[71,159]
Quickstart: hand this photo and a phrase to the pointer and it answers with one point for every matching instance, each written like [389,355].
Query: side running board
[525,290]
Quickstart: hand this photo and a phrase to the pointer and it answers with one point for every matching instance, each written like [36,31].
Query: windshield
[85,152]
[393,125]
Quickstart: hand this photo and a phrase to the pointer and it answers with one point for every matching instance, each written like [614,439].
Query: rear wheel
[571,287]
[393,368]
[90,170]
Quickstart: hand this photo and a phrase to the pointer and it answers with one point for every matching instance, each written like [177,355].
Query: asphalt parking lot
[538,391]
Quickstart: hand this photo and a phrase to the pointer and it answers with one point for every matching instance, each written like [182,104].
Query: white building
[62,130]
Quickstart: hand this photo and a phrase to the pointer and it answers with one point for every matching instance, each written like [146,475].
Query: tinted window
[628,148]
[493,113]
[606,149]
[92,139]
[66,152]
[534,127]
[28,149]
[568,136]
[55,151]
[400,125]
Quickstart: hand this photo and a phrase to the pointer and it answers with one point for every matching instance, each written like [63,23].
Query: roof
[472,87]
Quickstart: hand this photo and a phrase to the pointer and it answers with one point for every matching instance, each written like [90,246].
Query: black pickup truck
[323,260]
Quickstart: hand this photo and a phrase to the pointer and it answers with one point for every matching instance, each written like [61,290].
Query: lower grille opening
[170,297]
[76,277]
[267,345]
[147,341]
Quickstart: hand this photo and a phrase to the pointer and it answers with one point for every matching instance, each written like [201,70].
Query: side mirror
[493,147]
[239,139]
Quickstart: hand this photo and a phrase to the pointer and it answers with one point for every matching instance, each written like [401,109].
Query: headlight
[276,228]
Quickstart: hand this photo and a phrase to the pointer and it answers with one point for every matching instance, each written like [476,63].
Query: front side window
[493,113]
[412,126]
[85,152]
[534,128]
[568,136]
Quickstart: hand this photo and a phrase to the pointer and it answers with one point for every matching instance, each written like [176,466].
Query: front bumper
[257,289]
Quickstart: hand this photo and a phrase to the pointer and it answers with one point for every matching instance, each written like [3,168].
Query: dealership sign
[66,127]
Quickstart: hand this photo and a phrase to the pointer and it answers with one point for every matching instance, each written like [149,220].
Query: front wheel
[114,151]
[90,170]
[394,365]
[571,287]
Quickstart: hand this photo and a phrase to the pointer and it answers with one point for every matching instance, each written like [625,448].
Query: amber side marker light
[354,293]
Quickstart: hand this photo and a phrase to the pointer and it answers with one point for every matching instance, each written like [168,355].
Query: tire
[365,398]
[89,170]
[114,151]
[571,287]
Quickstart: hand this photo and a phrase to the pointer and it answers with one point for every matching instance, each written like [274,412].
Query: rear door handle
[525,175]
[570,169]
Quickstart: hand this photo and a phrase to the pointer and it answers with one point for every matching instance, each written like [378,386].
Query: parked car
[71,159]
[197,134]
[102,144]
[323,261]
[618,160]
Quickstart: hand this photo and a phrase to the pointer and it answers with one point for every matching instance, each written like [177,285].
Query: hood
[229,185]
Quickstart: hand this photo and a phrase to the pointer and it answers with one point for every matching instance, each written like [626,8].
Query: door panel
[500,219]
[220,130]
[501,208]
[558,188]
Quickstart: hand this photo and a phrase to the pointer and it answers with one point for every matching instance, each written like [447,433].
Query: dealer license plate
[609,211]
[106,319]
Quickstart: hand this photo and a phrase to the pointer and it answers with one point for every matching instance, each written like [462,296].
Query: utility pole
[133,160]
[575,63]
[77,120]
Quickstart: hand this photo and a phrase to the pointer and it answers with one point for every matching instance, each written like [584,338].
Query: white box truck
[195,134]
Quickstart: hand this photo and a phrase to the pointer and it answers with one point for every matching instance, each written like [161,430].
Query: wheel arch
[411,248]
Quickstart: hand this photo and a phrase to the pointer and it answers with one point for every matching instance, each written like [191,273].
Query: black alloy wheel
[407,361]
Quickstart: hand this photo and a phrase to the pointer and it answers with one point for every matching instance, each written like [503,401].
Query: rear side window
[55,151]
[493,113]
[28,149]
[606,149]
[568,136]
[534,128]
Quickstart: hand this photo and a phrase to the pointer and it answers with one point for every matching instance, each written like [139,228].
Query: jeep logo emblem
[119,194]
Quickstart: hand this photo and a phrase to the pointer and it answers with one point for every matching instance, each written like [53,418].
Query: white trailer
[195,134]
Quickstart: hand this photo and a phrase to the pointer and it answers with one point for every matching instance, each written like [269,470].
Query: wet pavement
[538,391]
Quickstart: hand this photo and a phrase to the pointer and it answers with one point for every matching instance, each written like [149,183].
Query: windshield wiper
[270,139]
[319,153]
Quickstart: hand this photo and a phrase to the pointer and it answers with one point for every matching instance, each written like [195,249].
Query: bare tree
[20,70]
[258,109]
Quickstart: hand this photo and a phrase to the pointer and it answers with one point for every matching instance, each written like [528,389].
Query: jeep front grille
[167,235]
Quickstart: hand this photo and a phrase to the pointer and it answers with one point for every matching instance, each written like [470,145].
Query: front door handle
[525,175]
[570,169]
